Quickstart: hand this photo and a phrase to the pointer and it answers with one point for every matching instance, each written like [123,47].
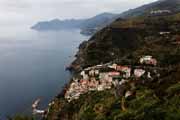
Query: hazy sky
[29,11]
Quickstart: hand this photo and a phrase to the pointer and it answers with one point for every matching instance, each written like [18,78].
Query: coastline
[147,74]
[73,69]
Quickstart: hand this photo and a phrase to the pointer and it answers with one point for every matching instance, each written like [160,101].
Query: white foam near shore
[35,109]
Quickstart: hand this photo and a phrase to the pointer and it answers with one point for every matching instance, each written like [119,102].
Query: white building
[96,72]
[104,76]
[160,11]
[164,33]
[149,75]
[113,66]
[145,58]
[139,72]
[149,60]
[91,73]
[100,88]
[84,75]
[128,94]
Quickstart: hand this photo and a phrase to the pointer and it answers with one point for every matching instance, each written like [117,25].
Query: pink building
[124,69]
[113,74]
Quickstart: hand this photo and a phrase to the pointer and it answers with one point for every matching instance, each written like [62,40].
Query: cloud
[34,10]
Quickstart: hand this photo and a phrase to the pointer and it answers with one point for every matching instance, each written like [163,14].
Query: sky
[14,12]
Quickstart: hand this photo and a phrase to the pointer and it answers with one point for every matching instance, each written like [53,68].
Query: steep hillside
[173,5]
[145,10]
[124,37]
[124,42]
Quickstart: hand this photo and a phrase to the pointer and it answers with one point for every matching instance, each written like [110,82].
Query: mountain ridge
[91,25]
[94,23]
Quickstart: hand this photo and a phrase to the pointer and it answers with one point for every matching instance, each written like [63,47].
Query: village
[105,76]
[160,11]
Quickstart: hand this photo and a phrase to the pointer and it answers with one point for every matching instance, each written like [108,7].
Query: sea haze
[32,65]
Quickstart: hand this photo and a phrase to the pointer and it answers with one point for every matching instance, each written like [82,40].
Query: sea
[32,66]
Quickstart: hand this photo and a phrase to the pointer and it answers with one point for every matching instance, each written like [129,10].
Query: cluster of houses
[164,33]
[103,77]
[156,12]
[148,60]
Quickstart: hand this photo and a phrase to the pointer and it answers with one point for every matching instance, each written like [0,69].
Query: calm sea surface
[32,65]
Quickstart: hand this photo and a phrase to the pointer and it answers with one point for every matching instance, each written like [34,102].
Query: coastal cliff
[129,70]
[112,81]
[154,95]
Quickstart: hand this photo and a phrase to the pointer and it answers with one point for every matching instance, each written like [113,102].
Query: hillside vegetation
[123,42]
